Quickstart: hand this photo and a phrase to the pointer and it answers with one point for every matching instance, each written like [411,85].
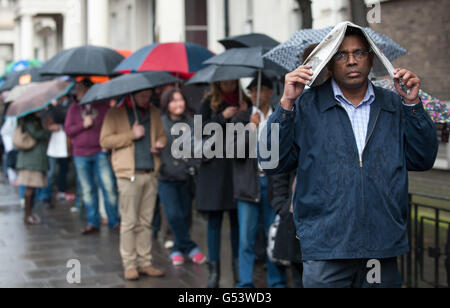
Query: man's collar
[327,99]
[369,97]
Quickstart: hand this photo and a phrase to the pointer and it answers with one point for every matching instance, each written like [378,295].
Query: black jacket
[246,184]
[172,169]
[214,190]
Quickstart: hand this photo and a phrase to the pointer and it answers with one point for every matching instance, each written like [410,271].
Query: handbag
[271,243]
[23,140]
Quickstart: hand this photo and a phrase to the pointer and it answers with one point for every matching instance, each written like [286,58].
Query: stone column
[98,22]
[26,37]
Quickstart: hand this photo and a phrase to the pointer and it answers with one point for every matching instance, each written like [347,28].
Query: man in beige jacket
[136,136]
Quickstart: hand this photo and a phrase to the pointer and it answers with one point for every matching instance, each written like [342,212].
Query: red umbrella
[181,59]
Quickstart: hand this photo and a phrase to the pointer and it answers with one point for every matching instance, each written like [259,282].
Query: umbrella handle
[240,91]
[134,109]
[259,88]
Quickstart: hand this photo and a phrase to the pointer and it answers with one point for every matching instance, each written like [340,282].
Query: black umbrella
[28,75]
[249,40]
[83,61]
[128,83]
[216,73]
[247,57]
[251,58]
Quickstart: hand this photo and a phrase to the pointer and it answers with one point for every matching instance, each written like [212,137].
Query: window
[196,22]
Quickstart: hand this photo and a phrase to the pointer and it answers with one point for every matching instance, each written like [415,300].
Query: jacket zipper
[361,166]
[371,133]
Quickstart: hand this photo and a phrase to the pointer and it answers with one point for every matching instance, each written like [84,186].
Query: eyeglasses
[343,56]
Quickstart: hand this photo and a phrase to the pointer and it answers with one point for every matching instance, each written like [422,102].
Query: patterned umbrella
[181,59]
[438,110]
[289,54]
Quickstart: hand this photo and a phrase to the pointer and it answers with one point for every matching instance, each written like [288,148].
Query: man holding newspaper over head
[352,144]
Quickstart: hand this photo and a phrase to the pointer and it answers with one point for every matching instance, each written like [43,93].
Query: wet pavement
[37,256]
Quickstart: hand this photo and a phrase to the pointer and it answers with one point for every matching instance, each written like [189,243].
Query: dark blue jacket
[346,208]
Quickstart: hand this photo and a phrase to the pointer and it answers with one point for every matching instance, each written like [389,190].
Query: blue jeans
[90,171]
[350,274]
[177,203]
[214,234]
[249,215]
[63,164]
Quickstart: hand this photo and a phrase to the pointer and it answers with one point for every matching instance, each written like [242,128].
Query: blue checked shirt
[359,116]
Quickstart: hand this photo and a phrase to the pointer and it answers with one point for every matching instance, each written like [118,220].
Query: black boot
[235,267]
[214,275]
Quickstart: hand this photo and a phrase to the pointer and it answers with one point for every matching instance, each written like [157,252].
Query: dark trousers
[350,274]
[215,234]
[297,273]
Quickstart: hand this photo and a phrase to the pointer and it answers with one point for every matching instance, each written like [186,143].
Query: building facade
[41,28]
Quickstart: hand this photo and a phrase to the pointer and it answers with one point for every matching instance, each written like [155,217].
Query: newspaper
[322,54]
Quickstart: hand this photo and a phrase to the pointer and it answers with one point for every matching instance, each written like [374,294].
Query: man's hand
[138,130]
[294,85]
[255,119]
[54,127]
[412,83]
[158,148]
[88,121]
[230,112]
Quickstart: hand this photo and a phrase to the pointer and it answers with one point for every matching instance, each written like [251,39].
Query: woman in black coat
[287,246]
[214,194]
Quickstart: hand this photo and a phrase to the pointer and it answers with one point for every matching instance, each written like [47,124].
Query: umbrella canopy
[38,97]
[250,58]
[216,73]
[31,74]
[249,40]
[21,65]
[438,110]
[17,91]
[289,54]
[127,84]
[247,57]
[83,61]
[182,59]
